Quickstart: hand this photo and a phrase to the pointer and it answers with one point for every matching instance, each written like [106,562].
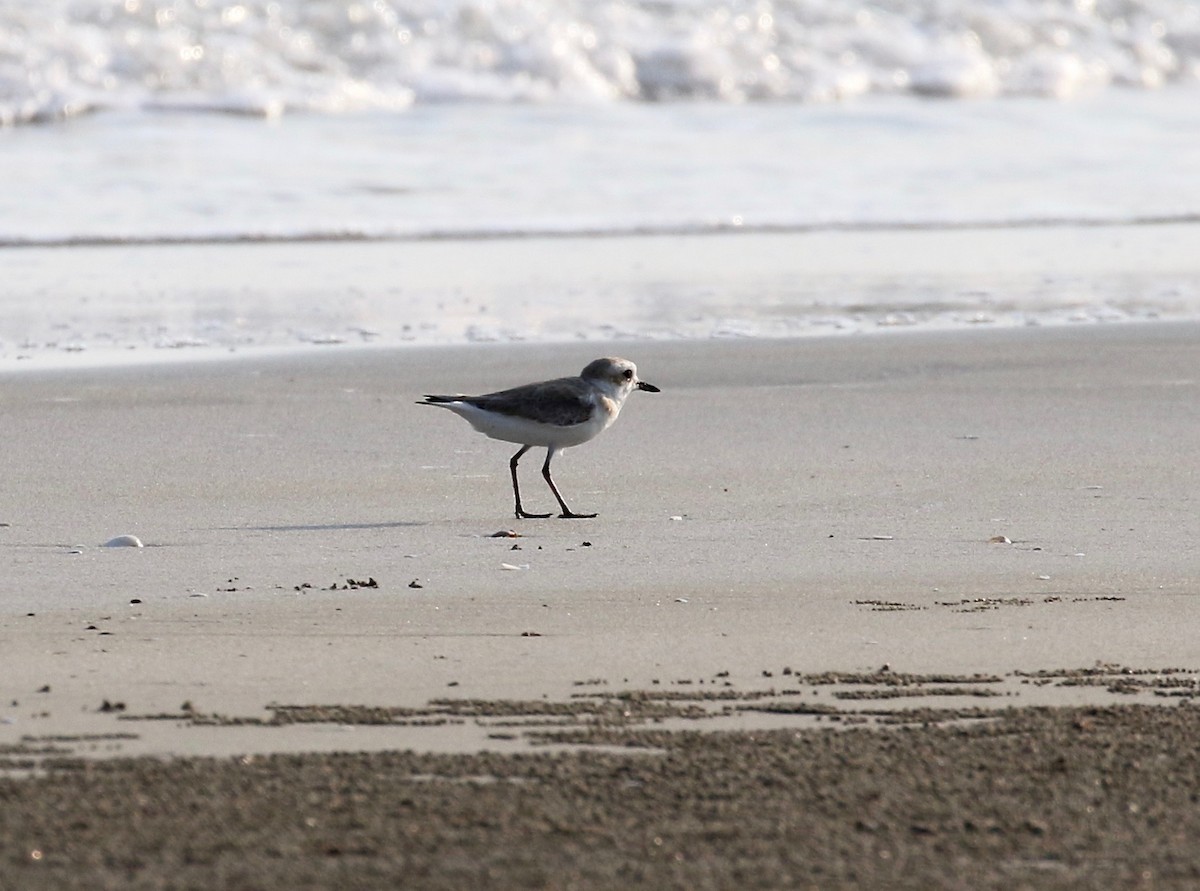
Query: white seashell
[124,541]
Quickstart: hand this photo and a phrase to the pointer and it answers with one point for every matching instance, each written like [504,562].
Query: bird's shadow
[325,527]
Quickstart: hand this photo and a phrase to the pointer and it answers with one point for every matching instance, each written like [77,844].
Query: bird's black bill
[649,388]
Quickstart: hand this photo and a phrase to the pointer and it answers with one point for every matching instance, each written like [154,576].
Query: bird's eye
[628,375]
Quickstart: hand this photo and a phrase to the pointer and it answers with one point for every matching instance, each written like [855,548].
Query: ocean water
[61,58]
[213,176]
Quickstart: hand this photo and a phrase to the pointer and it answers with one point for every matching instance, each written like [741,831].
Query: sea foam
[61,58]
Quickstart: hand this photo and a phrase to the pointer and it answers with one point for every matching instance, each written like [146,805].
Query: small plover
[552,414]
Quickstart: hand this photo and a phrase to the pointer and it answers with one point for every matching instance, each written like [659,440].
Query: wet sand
[971,510]
[1060,798]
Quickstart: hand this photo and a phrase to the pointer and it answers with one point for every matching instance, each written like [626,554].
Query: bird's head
[617,376]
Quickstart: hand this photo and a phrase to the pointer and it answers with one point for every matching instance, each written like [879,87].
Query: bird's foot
[571,515]
[526,515]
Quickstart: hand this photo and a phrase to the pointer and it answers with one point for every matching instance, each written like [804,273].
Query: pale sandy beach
[747,513]
[743,513]
[782,510]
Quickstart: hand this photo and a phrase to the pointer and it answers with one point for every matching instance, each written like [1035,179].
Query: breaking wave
[61,58]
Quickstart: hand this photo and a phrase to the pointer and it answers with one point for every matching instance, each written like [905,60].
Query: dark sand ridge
[1040,798]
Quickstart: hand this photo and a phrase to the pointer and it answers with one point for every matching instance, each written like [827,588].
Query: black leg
[567,513]
[521,513]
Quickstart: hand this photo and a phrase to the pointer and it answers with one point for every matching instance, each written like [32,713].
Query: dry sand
[782,510]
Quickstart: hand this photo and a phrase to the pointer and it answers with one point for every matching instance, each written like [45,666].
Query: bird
[553,414]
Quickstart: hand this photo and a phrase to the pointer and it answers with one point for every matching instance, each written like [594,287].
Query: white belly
[510,428]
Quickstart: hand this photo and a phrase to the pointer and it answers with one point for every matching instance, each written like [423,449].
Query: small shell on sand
[124,541]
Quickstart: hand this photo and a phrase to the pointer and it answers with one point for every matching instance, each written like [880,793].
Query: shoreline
[134,305]
[153,359]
